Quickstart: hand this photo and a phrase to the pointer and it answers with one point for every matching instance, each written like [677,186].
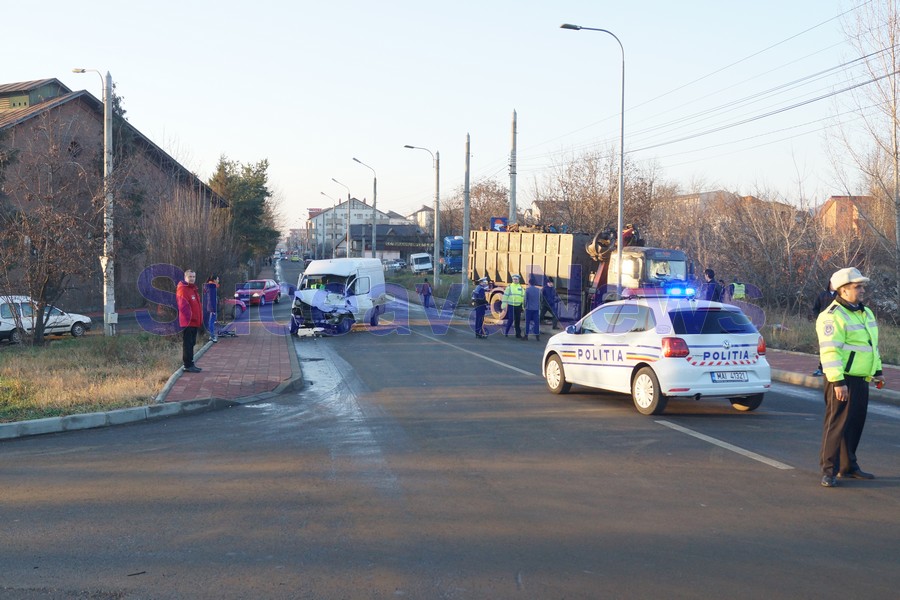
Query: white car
[660,348]
[17,318]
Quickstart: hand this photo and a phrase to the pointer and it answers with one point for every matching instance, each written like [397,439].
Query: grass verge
[89,374]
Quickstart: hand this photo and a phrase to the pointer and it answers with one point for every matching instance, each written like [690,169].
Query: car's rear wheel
[645,392]
[77,329]
[278,298]
[555,374]
[747,404]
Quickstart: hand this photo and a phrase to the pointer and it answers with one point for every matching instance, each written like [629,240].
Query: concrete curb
[160,409]
[883,395]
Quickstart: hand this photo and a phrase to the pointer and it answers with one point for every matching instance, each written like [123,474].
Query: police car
[656,348]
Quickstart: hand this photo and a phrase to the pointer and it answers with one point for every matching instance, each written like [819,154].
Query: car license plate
[726,376]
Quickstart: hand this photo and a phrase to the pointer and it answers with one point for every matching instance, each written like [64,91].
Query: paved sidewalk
[260,359]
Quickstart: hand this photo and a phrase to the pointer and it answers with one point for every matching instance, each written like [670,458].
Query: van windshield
[331,283]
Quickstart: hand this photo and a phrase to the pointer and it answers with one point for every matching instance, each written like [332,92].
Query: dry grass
[89,374]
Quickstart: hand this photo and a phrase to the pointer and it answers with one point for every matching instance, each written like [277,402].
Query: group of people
[716,290]
[534,300]
[194,314]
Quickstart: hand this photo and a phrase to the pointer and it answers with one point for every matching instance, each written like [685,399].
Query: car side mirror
[572,329]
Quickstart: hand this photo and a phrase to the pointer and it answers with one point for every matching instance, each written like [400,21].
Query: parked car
[258,291]
[657,348]
[235,308]
[17,318]
[295,258]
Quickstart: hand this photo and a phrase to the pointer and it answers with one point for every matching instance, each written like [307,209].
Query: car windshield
[706,320]
[254,285]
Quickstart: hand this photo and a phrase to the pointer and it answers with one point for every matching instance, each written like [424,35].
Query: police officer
[848,349]
[479,301]
[513,299]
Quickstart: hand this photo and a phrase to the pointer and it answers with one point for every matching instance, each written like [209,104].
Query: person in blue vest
[848,349]
[479,301]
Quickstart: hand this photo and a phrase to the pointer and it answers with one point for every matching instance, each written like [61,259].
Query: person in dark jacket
[190,317]
[210,305]
[710,289]
[550,301]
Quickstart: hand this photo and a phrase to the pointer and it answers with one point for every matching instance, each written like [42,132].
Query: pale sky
[310,85]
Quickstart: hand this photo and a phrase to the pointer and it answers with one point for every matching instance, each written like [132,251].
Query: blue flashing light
[680,292]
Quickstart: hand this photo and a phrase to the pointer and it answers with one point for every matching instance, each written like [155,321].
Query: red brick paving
[249,364]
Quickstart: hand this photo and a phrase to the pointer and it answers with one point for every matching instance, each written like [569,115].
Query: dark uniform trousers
[844,422]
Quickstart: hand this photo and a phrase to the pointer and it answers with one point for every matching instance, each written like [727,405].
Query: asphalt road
[422,463]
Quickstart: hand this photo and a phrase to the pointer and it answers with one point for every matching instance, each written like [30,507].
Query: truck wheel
[373,320]
[747,404]
[496,304]
[645,393]
[555,375]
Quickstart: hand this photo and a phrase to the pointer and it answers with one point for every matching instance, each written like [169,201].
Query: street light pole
[436,158]
[110,317]
[333,220]
[348,214]
[621,223]
[374,202]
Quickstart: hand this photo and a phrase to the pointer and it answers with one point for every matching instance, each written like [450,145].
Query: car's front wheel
[277,298]
[262,300]
[645,392]
[747,404]
[77,329]
[555,375]
[16,336]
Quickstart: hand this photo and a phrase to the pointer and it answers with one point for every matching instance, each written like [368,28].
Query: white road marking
[726,445]
[478,354]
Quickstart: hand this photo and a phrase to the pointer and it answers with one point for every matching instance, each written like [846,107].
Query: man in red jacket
[190,316]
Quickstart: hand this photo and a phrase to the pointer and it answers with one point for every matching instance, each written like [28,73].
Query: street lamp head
[408,146]
[357,160]
[570,26]
[79,70]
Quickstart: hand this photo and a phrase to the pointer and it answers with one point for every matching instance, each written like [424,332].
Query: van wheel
[645,392]
[747,404]
[16,336]
[373,320]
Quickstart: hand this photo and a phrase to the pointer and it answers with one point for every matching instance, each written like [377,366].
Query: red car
[258,291]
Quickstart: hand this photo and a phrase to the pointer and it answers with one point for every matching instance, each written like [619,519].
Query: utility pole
[464,263]
[512,175]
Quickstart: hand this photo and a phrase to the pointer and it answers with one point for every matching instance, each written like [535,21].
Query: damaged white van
[334,294]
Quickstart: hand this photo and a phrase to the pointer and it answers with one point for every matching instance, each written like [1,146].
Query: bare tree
[873,30]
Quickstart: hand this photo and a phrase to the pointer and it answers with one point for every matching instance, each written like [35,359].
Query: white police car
[656,348]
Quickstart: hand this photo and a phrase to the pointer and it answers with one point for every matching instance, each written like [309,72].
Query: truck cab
[453,248]
[334,294]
